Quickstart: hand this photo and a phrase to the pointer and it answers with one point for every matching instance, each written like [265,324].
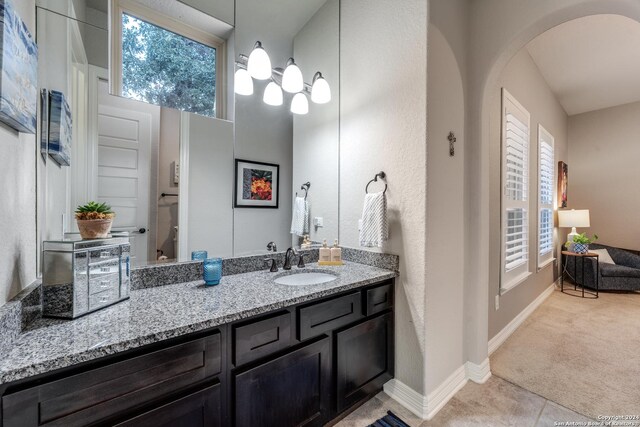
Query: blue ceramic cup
[198,255]
[212,271]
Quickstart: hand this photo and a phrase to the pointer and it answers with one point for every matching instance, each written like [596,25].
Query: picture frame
[257,184]
[60,129]
[563,183]
[19,71]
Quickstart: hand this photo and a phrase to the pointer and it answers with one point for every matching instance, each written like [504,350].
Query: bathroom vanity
[248,352]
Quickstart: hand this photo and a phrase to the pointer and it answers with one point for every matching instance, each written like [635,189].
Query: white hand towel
[300,217]
[374,229]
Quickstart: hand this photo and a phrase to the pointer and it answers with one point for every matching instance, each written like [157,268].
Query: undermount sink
[306,278]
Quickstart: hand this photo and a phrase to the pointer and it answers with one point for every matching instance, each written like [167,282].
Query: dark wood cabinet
[291,390]
[199,409]
[301,365]
[96,394]
[364,355]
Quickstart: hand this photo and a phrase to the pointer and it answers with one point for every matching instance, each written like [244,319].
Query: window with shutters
[546,176]
[515,194]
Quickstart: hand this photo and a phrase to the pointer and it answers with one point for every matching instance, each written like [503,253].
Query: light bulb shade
[299,104]
[272,94]
[243,84]
[259,64]
[320,91]
[573,218]
[292,80]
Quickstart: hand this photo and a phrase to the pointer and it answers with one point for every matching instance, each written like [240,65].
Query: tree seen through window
[163,68]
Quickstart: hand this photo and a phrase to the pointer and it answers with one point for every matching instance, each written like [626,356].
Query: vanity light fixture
[259,64]
[243,84]
[320,90]
[273,94]
[299,104]
[292,80]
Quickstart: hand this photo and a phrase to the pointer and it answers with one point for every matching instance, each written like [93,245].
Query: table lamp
[573,218]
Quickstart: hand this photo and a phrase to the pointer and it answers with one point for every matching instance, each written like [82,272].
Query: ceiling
[591,63]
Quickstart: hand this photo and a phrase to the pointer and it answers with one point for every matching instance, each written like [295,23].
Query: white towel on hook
[374,230]
[300,217]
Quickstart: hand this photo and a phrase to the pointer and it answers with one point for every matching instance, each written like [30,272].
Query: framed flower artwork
[256,184]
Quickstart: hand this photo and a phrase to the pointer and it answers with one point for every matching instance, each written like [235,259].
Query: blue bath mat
[389,420]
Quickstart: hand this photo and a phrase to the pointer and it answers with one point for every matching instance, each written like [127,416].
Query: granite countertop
[158,313]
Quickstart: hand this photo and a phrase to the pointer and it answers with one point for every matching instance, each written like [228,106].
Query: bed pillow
[604,255]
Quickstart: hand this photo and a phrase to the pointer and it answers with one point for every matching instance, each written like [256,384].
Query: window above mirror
[162,61]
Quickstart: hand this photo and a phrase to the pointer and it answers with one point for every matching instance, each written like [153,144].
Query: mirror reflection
[160,135]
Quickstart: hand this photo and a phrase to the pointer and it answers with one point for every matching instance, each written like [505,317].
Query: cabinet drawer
[103,299]
[319,318]
[92,396]
[198,409]
[103,283]
[261,337]
[378,299]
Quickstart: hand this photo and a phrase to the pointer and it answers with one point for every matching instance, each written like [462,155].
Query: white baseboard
[445,391]
[426,407]
[478,373]
[502,336]
[407,397]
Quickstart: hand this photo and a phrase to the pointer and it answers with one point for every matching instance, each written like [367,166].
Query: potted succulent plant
[94,220]
[581,243]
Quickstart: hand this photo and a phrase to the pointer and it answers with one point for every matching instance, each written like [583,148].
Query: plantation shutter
[546,174]
[515,197]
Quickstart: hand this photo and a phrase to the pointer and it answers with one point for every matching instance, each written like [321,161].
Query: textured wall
[523,80]
[445,211]
[604,173]
[383,62]
[18,190]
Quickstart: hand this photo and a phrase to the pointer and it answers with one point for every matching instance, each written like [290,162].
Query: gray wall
[18,189]
[523,80]
[316,135]
[604,173]
[383,63]
[445,210]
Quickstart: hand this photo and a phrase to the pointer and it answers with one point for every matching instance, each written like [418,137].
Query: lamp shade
[243,84]
[292,80]
[320,91]
[259,64]
[300,104]
[574,218]
[272,94]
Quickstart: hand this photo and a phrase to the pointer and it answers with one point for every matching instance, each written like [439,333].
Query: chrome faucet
[287,258]
[271,246]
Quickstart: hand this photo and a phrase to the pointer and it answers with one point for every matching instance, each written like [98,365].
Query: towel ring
[380,175]
[305,187]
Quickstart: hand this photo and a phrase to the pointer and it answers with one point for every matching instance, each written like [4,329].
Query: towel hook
[305,187]
[380,175]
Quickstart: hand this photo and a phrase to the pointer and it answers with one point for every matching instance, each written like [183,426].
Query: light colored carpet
[581,353]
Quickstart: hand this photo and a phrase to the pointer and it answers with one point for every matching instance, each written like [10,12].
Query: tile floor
[494,403]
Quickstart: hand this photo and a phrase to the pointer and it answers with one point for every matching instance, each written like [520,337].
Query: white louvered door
[515,196]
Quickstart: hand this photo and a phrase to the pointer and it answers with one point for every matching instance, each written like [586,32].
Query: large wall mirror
[159,134]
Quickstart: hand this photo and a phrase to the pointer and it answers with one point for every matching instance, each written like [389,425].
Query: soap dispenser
[325,252]
[336,253]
